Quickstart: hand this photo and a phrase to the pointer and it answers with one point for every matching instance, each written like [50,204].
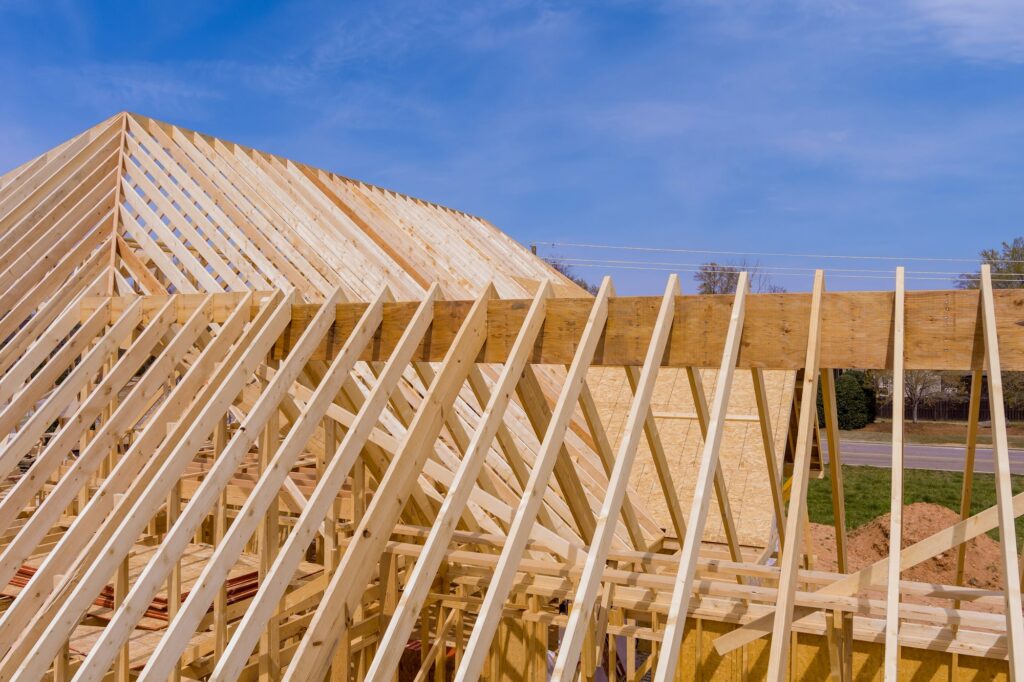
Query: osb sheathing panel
[742,452]
[809,660]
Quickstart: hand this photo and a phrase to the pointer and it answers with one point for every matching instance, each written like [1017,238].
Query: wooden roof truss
[231,452]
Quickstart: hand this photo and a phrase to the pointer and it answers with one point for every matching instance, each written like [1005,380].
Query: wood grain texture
[943,329]
[159,315]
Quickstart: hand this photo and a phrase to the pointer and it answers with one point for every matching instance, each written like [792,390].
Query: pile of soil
[870,542]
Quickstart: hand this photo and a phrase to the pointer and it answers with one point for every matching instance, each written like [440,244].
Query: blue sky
[890,127]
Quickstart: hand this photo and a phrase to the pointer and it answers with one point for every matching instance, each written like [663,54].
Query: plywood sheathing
[742,452]
[200,350]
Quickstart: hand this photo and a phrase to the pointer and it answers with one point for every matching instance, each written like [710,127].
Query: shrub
[855,401]
[851,402]
[867,383]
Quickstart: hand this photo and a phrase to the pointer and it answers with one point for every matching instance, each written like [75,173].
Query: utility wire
[759,254]
[683,269]
[781,269]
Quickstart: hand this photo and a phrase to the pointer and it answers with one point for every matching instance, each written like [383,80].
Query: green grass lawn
[867,492]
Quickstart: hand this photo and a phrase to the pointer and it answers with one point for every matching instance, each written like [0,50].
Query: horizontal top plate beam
[943,330]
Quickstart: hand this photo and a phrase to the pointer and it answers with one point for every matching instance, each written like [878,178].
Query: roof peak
[287,159]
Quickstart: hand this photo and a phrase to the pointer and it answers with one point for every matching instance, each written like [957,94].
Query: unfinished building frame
[231,454]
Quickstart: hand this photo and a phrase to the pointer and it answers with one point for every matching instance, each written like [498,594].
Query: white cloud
[977,29]
[108,87]
[513,26]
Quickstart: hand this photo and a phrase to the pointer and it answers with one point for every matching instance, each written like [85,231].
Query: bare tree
[719,278]
[714,278]
[567,270]
[919,386]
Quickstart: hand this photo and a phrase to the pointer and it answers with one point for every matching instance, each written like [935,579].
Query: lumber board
[481,410]
[943,329]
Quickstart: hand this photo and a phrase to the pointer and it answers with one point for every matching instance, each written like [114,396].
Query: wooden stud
[1004,491]
[674,627]
[185,440]
[844,621]
[326,491]
[270,640]
[639,413]
[318,643]
[418,584]
[220,527]
[779,649]
[465,523]
[490,612]
[892,600]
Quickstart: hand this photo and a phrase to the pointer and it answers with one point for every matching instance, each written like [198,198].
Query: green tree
[851,402]
[867,384]
[1007,265]
[870,395]
[855,400]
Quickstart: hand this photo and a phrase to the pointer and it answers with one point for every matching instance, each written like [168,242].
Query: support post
[892,599]
[706,475]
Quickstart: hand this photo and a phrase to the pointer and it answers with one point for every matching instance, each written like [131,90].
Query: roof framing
[943,329]
[263,420]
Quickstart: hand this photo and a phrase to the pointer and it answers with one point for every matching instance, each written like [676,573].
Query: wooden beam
[790,560]
[534,402]
[89,460]
[875,574]
[94,525]
[1004,490]
[892,599]
[347,586]
[42,400]
[148,492]
[967,486]
[393,641]
[61,445]
[216,570]
[501,583]
[830,409]
[323,496]
[87,280]
[844,621]
[943,331]
[604,451]
[668,654]
[772,463]
[636,421]
[262,416]
[660,460]
[721,494]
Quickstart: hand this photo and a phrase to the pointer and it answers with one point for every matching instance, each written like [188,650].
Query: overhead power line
[761,254]
[910,275]
[767,269]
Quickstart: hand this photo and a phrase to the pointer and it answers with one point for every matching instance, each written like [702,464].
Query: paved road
[944,457]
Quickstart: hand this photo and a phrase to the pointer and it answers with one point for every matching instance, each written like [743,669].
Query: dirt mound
[870,542]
